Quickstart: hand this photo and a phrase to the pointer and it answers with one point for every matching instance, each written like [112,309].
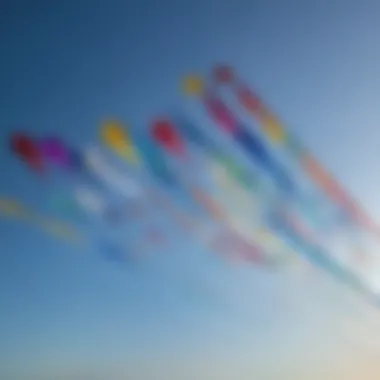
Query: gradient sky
[65,65]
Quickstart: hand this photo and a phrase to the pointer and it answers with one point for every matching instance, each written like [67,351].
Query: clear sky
[65,65]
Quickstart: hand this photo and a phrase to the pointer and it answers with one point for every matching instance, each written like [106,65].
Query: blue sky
[67,65]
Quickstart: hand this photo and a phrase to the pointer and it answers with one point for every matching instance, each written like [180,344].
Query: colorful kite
[11,208]
[277,135]
[27,149]
[219,182]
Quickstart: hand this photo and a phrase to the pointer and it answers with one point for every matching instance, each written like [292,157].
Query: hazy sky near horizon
[67,64]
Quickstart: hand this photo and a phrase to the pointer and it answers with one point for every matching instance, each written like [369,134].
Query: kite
[296,233]
[12,208]
[100,166]
[250,205]
[153,162]
[166,136]
[272,127]
[27,149]
[116,138]
[217,155]
[251,144]
[53,150]
[90,200]
[65,204]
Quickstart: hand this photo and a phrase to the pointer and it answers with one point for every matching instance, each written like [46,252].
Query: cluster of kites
[227,175]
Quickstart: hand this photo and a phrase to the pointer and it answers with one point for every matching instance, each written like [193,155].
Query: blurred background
[180,314]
